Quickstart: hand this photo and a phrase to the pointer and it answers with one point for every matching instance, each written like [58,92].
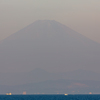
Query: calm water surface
[49,97]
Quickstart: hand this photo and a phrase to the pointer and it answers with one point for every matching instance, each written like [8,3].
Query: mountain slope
[49,45]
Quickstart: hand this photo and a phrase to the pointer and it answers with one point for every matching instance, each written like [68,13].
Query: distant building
[90,92]
[8,93]
[24,93]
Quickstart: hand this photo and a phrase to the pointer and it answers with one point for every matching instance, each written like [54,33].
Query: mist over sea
[49,97]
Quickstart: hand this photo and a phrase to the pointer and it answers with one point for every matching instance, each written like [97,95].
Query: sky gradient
[82,16]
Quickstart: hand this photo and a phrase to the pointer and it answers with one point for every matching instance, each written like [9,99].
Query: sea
[49,97]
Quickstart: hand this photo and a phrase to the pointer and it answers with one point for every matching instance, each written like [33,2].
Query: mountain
[39,75]
[48,57]
[54,86]
[49,45]
[41,81]
[61,86]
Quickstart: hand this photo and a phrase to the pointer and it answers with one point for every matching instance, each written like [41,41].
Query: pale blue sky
[80,15]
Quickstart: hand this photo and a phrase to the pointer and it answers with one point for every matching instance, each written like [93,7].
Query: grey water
[49,97]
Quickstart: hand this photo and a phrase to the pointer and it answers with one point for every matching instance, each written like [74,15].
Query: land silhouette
[47,52]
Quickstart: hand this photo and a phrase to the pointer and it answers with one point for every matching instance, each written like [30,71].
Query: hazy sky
[80,15]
